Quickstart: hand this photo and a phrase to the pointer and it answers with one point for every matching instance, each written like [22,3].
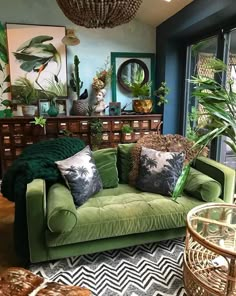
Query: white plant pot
[28,110]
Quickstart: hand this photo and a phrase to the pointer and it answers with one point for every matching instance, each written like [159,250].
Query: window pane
[199,55]
[227,155]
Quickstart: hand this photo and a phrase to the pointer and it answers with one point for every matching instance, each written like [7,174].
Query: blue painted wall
[96,44]
[198,20]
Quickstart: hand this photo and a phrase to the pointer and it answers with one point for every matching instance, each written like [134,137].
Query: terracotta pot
[143,106]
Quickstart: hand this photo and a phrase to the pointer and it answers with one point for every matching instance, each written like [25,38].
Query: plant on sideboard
[26,96]
[96,133]
[80,104]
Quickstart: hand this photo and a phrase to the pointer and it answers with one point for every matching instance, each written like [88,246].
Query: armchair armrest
[221,173]
[36,219]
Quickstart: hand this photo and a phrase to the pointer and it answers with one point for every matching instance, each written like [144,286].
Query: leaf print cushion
[81,175]
[159,171]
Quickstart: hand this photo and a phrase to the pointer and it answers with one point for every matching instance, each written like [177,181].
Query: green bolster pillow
[61,210]
[202,186]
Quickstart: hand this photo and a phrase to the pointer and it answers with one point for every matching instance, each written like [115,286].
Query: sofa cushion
[61,211]
[202,186]
[124,162]
[105,160]
[159,171]
[81,175]
[124,210]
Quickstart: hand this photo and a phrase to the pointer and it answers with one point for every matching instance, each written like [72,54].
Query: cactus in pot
[80,105]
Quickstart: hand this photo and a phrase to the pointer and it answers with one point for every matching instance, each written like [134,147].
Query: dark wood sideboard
[17,132]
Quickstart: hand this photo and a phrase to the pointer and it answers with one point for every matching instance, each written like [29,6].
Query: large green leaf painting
[3,44]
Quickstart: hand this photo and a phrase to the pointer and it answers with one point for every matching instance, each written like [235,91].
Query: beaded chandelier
[99,13]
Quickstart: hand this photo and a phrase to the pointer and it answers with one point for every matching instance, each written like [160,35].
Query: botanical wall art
[37,53]
[4,69]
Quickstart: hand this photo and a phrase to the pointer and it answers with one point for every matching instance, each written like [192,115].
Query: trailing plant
[96,133]
[161,93]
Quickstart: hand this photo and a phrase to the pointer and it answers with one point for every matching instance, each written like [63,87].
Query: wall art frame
[37,54]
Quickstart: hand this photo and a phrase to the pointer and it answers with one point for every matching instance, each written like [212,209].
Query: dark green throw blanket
[36,161]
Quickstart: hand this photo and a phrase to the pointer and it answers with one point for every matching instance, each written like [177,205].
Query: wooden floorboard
[8,257]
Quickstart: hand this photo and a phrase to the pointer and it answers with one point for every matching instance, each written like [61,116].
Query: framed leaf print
[37,55]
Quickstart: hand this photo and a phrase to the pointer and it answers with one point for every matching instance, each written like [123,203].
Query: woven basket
[80,107]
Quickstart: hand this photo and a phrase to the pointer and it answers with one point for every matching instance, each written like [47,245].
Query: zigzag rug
[146,270]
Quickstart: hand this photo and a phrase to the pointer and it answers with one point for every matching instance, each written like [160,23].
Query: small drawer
[115,137]
[6,140]
[84,127]
[127,137]
[146,133]
[51,128]
[155,123]
[84,137]
[18,140]
[73,127]
[18,151]
[28,129]
[8,163]
[5,129]
[18,129]
[116,125]
[106,126]
[62,125]
[29,140]
[145,124]
[7,152]
[105,137]
[137,135]
[136,124]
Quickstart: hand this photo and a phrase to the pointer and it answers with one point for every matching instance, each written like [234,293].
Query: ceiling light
[99,13]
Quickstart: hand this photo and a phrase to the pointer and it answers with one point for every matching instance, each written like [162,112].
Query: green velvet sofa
[113,218]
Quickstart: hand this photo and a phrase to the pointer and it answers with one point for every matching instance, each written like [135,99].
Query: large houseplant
[142,103]
[80,104]
[218,102]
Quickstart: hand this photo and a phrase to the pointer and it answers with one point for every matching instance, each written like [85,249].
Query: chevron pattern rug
[146,270]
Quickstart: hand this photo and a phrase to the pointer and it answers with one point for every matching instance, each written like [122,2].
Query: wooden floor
[7,254]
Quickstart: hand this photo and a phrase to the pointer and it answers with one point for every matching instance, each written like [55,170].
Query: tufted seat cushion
[124,210]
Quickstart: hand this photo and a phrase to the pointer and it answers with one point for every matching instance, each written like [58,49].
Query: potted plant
[96,133]
[80,104]
[161,93]
[39,122]
[142,103]
[126,133]
[27,96]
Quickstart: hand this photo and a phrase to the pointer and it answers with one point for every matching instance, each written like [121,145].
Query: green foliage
[140,90]
[75,82]
[39,121]
[27,94]
[96,133]
[219,103]
[161,93]
[57,88]
[90,110]
[126,129]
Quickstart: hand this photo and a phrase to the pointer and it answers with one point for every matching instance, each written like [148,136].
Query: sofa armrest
[221,173]
[36,219]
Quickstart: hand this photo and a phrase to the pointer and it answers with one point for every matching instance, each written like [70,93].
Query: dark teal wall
[198,20]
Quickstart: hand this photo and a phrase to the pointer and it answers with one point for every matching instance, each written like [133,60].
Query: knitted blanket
[36,161]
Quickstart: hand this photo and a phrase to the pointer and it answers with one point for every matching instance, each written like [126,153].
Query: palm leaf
[231,145]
